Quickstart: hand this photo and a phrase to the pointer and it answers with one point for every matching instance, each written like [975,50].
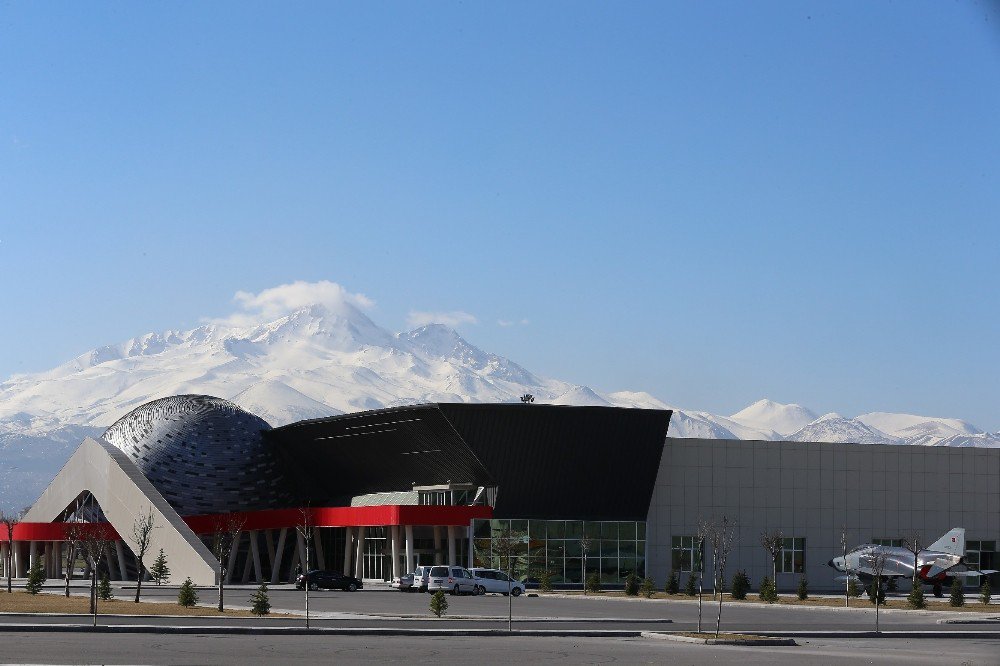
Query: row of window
[686,556]
[792,558]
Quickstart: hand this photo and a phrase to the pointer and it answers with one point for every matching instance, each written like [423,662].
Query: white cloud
[276,302]
[452,319]
[507,323]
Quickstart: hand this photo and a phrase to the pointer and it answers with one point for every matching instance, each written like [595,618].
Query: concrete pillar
[4,548]
[300,546]
[359,554]
[32,554]
[112,567]
[451,545]
[410,565]
[277,556]
[255,554]
[231,562]
[438,549]
[245,577]
[122,568]
[318,547]
[348,549]
[394,568]
[269,544]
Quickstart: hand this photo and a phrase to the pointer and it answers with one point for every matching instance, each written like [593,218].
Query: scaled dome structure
[205,455]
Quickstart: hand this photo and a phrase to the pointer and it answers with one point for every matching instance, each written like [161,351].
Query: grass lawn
[20,601]
[972,603]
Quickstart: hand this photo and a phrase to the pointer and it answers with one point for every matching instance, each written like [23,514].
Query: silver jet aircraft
[942,559]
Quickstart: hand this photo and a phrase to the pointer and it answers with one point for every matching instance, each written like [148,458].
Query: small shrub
[673,585]
[916,597]
[876,590]
[632,585]
[261,602]
[768,592]
[545,581]
[647,588]
[593,583]
[957,593]
[439,603]
[985,593]
[691,588]
[36,577]
[803,592]
[741,584]
[892,585]
[187,596]
[160,572]
[853,589]
[104,589]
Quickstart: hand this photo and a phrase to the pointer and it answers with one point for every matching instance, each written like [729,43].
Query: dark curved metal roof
[548,461]
[204,454]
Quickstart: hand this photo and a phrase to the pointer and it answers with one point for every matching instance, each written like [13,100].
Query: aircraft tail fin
[952,543]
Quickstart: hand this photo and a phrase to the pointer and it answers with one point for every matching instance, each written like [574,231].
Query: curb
[340,617]
[770,641]
[317,631]
[882,634]
[984,620]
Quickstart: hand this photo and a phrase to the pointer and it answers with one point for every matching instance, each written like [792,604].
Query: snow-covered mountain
[320,360]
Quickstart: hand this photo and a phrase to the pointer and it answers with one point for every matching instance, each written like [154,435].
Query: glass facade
[684,553]
[566,548]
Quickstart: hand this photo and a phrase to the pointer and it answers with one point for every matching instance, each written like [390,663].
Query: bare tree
[847,569]
[508,545]
[585,543]
[224,540]
[876,557]
[10,519]
[912,544]
[96,541]
[74,545]
[304,529]
[721,535]
[142,534]
[773,543]
[699,541]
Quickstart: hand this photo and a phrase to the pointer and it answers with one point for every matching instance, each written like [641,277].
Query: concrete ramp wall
[125,494]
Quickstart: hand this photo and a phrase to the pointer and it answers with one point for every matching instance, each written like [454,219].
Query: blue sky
[710,201]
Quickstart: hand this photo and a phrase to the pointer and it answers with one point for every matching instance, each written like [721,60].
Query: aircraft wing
[970,574]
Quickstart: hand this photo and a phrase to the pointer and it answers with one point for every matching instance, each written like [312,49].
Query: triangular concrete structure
[124,494]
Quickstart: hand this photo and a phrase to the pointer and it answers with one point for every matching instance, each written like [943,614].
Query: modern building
[580,490]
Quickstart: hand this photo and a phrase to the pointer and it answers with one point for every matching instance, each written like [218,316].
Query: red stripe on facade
[328,516]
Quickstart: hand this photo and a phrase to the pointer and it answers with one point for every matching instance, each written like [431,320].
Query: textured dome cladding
[204,454]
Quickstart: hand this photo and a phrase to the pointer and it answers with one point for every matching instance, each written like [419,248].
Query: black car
[327,580]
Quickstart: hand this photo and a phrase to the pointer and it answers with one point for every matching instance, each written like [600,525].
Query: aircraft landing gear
[938,590]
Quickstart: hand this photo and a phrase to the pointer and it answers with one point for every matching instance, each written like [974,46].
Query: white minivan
[456,580]
[494,580]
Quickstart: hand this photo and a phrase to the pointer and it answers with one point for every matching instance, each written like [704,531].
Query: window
[979,554]
[892,543]
[793,556]
[683,553]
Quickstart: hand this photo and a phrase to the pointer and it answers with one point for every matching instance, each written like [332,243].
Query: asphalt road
[200,649]
[383,608]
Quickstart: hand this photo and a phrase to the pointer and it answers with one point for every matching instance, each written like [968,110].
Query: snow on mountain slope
[684,423]
[581,396]
[767,415]
[833,427]
[279,404]
[926,430]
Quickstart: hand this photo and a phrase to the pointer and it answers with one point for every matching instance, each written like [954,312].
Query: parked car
[327,580]
[420,577]
[456,580]
[403,583]
[494,580]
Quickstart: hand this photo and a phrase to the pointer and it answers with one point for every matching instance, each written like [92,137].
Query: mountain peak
[770,415]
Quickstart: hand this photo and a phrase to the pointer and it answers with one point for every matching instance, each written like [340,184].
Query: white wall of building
[811,490]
